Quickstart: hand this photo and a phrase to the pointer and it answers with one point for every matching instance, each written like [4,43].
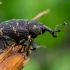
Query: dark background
[53,53]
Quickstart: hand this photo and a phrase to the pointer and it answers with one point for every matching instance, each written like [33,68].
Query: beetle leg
[28,45]
[1,45]
[5,42]
[33,45]
[7,38]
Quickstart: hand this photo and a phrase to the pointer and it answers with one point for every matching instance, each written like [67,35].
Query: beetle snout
[54,34]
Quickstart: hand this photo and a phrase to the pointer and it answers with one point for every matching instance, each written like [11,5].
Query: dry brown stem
[41,14]
[11,59]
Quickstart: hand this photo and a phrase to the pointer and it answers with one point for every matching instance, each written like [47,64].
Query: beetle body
[21,29]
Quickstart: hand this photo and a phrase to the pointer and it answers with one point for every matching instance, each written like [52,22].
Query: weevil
[20,29]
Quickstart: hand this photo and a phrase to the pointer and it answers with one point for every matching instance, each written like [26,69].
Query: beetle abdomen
[16,29]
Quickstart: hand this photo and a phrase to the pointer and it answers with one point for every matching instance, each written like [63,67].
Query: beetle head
[53,32]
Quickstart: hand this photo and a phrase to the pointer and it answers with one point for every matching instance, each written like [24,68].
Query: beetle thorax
[35,30]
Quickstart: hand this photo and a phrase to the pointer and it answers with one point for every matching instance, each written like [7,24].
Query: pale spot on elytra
[18,34]
[17,23]
[14,30]
[10,26]
[5,31]
[34,26]
[1,33]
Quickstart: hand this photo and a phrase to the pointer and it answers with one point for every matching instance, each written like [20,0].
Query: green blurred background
[53,53]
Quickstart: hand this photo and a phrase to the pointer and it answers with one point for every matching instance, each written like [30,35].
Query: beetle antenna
[58,26]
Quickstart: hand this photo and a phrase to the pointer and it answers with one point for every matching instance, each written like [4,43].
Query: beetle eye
[54,34]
